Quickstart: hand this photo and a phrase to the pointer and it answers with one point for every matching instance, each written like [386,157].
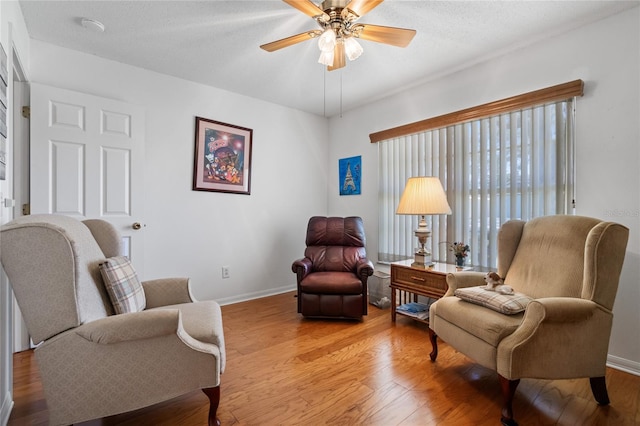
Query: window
[512,165]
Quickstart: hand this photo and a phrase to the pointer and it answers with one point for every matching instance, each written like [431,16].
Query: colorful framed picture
[350,172]
[3,158]
[4,74]
[222,157]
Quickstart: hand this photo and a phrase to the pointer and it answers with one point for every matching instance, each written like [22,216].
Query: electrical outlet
[225,272]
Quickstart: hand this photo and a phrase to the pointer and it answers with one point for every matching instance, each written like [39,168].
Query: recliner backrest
[52,264]
[335,243]
[563,256]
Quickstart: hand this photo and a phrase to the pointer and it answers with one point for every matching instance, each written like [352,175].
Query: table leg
[393,305]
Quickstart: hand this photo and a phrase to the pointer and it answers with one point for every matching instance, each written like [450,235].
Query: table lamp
[423,195]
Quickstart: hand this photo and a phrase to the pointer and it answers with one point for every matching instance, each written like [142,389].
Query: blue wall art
[350,173]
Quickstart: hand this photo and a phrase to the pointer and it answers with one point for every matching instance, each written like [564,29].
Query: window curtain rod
[537,97]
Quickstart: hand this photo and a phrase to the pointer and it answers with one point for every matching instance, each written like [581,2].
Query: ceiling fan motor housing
[334,5]
[340,18]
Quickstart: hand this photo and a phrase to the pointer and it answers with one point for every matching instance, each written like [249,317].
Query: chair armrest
[301,267]
[133,326]
[560,310]
[364,268]
[559,337]
[167,291]
[464,279]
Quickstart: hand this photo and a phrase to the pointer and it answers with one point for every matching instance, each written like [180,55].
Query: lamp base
[422,260]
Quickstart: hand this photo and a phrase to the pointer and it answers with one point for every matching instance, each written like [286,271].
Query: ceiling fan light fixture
[352,48]
[339,29]
[326,57]
[327,41]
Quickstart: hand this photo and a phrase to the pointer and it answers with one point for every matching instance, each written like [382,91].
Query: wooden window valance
[537,97]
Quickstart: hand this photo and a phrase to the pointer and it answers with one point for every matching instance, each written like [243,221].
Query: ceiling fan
[340,29]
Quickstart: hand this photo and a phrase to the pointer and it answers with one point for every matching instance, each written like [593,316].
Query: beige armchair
[569,266]
[93,362]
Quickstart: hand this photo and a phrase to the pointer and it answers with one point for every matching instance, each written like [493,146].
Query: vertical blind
[516,165]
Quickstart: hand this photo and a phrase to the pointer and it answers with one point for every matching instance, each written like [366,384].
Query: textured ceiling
[217,42]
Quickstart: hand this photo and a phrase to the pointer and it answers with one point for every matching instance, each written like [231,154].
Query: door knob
[136,225]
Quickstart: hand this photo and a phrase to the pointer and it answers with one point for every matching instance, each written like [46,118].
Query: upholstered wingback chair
[95,363]
[569,266]
[332,277]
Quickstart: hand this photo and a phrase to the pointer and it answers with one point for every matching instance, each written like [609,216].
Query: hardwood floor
[285,370]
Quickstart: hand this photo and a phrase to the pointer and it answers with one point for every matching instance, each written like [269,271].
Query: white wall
[193,233]
[606,55]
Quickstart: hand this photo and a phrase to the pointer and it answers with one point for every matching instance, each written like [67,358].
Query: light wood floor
[285,370]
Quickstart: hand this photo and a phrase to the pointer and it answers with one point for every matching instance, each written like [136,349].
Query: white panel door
[87,156]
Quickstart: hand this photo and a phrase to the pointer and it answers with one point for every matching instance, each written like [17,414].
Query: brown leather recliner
[332,277]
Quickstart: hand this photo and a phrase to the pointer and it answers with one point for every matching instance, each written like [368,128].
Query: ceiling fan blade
[339,56]
[308,8]
[400,37]
[285,42]
[360,7]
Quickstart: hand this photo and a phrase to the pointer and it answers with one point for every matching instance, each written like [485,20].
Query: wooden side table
[407,283]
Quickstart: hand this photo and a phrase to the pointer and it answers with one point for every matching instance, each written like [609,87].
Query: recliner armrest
[560,310]
[301,267]
[464,279]
[556,339]
[132,326]
[167,291]
[364,268]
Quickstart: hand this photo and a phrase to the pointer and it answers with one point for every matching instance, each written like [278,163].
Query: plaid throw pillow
[123,286]
[509,304]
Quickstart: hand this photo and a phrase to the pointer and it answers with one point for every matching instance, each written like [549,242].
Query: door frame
[21,338]
[9,326]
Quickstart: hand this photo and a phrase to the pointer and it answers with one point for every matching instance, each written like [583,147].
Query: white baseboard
[256,295]
[623,364]
[5,411]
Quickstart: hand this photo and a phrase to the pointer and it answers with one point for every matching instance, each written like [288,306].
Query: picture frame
[349,175]
[4,72]
[222,157]
[3,158]
[4,80]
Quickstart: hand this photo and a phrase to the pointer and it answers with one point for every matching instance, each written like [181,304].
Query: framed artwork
[3,158]
[350,171]
[4,73]
[3,113]
[222,157]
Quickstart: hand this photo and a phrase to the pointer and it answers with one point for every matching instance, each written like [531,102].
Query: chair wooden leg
[214,400]
[599,389]
[508,388]
[434,345]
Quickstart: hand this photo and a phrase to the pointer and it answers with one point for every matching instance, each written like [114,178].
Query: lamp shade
[423,195]
[352,48]
[326,58]
[327,41]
